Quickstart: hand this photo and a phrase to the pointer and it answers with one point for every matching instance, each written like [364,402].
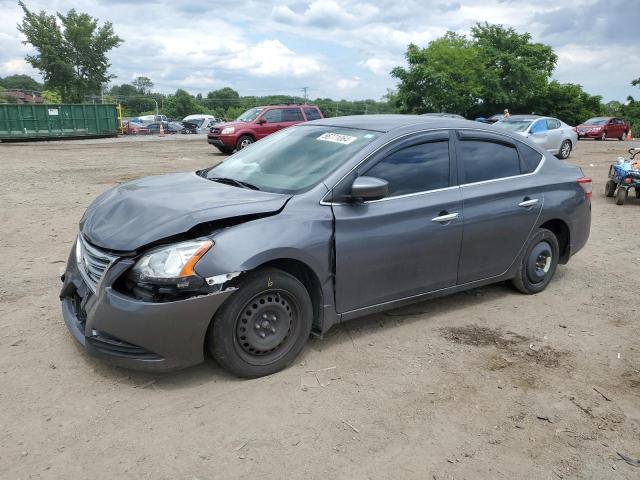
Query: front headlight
[171,262]
[227,131]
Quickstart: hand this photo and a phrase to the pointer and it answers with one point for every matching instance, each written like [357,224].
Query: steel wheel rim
[245,143]
[266,327]
[539,262]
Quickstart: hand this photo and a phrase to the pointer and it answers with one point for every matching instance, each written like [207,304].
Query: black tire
[262,327]
[565,150]
[539,262]
[225,150]
[610,188]
[637,193]
[621,196]
[603,136]
[244,141]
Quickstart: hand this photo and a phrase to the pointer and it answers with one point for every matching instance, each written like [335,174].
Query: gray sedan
[552,134]
[315,225]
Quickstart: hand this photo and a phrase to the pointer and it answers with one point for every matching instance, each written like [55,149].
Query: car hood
[144,211]
[231,124]
[584,125]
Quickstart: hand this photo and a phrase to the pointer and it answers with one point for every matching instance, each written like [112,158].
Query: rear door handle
[528,203]
[445,218]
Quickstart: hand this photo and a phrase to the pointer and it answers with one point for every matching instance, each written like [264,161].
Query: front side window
[293,159]
[539,126]
[292,115]
[486,160]
[414,169]
[273,116]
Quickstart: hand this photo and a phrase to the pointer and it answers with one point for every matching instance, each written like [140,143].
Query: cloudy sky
[339,49]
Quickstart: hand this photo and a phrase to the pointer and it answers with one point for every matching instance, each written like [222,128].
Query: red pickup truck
[257,123]
[602,128]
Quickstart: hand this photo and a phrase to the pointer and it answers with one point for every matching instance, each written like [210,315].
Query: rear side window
[486,160]
[418,168]
[552,124]
[292,115]
[530,158]
[312,113]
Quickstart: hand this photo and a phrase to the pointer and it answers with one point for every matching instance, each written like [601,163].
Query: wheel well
[561,230]
[246,134]
[307,277]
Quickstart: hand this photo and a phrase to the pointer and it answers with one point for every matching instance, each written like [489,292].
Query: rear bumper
[132,333]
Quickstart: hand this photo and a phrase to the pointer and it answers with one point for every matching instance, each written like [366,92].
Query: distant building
[24,96]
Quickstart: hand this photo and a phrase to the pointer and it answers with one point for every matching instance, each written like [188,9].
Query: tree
[49,96]
[223,98]
[71,50]
[567,102]
[444,77]
[143,85]
[495,68]
[181,104]
[20,82]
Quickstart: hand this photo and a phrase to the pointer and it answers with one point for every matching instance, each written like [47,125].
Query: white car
[202,122]
[552,134]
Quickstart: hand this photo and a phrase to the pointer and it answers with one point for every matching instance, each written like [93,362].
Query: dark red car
[257,123]
[602,128]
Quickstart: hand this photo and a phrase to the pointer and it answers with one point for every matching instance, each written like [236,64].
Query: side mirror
[369,188]
[261,121]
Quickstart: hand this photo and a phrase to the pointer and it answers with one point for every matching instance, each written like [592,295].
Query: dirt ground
[484,384]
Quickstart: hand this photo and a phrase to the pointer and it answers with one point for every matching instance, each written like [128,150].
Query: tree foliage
[143,85]
[224,98]
[71,51]
[181,104]
[20,82]
[49,96]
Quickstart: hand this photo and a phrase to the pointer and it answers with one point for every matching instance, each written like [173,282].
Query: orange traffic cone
[161,130]
[629,136]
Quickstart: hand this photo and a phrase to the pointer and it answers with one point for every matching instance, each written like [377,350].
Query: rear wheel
[539,262]
[610,188]
[621,196]
[262,327]
[565,149]
[244,141]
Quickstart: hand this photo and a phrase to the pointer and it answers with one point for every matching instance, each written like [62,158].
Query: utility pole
[304,92]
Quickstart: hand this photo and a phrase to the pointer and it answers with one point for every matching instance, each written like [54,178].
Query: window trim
[453,144]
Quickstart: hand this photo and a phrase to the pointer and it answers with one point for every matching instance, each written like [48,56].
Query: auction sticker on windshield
[337,138]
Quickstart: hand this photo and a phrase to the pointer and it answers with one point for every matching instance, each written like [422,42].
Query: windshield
[596,121]
[250,115]
[515,125]
[293,159]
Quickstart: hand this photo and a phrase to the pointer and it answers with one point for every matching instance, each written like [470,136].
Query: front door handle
[446,218]
[528,203]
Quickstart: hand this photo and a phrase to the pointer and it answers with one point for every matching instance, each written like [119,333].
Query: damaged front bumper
[133,333]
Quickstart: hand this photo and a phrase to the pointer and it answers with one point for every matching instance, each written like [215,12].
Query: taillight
[587,186]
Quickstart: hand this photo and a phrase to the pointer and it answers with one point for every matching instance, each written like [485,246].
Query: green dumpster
[27,121]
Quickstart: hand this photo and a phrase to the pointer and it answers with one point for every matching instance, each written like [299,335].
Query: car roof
[387,123]
[521,116]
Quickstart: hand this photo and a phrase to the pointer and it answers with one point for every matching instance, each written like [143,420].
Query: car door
[612,128]
[269,122]
[539,133]
[501,203]
[554,135]
[291,116]
[407,243]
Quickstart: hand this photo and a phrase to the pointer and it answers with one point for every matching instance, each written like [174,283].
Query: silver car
[549,133]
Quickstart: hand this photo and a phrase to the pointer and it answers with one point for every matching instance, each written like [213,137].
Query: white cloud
[269,58]
[348,83]
[380,66]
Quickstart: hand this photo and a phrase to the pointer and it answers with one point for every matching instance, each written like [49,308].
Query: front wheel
[621,195]
[244,141]
[610,188]
[539,262]
[262,327]
[565,149]
[603,136]
[623,137]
